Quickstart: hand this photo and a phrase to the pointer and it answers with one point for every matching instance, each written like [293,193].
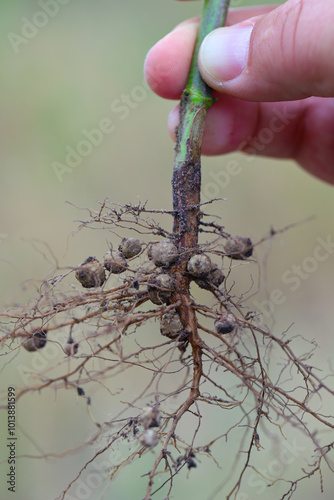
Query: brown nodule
[91,273]
[163,253]
[225,323]
[130,247]
[115,262]
[36,342]
[238,247]
[160,288]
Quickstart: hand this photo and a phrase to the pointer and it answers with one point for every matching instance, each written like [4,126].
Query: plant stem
[195,101]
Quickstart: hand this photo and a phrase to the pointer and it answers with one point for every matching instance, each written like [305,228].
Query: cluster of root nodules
[176,395]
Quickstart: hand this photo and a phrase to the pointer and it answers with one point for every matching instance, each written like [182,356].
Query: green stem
[195,100]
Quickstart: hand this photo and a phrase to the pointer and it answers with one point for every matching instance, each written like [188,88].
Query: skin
[282,104]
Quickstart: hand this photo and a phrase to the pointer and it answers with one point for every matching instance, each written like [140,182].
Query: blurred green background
[64,80]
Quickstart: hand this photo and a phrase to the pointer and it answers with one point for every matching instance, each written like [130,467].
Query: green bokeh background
[65,80]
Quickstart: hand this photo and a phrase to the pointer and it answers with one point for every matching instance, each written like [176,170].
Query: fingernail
[224,52]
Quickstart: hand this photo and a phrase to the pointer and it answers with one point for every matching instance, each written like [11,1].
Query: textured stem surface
[196,99]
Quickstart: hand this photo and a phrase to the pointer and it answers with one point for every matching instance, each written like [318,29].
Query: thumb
[284,55]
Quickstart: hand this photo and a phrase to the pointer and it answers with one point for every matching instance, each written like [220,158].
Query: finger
[302,130]
[168,62]
[283,55]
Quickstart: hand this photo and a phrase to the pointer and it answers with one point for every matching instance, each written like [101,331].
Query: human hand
[273,71]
